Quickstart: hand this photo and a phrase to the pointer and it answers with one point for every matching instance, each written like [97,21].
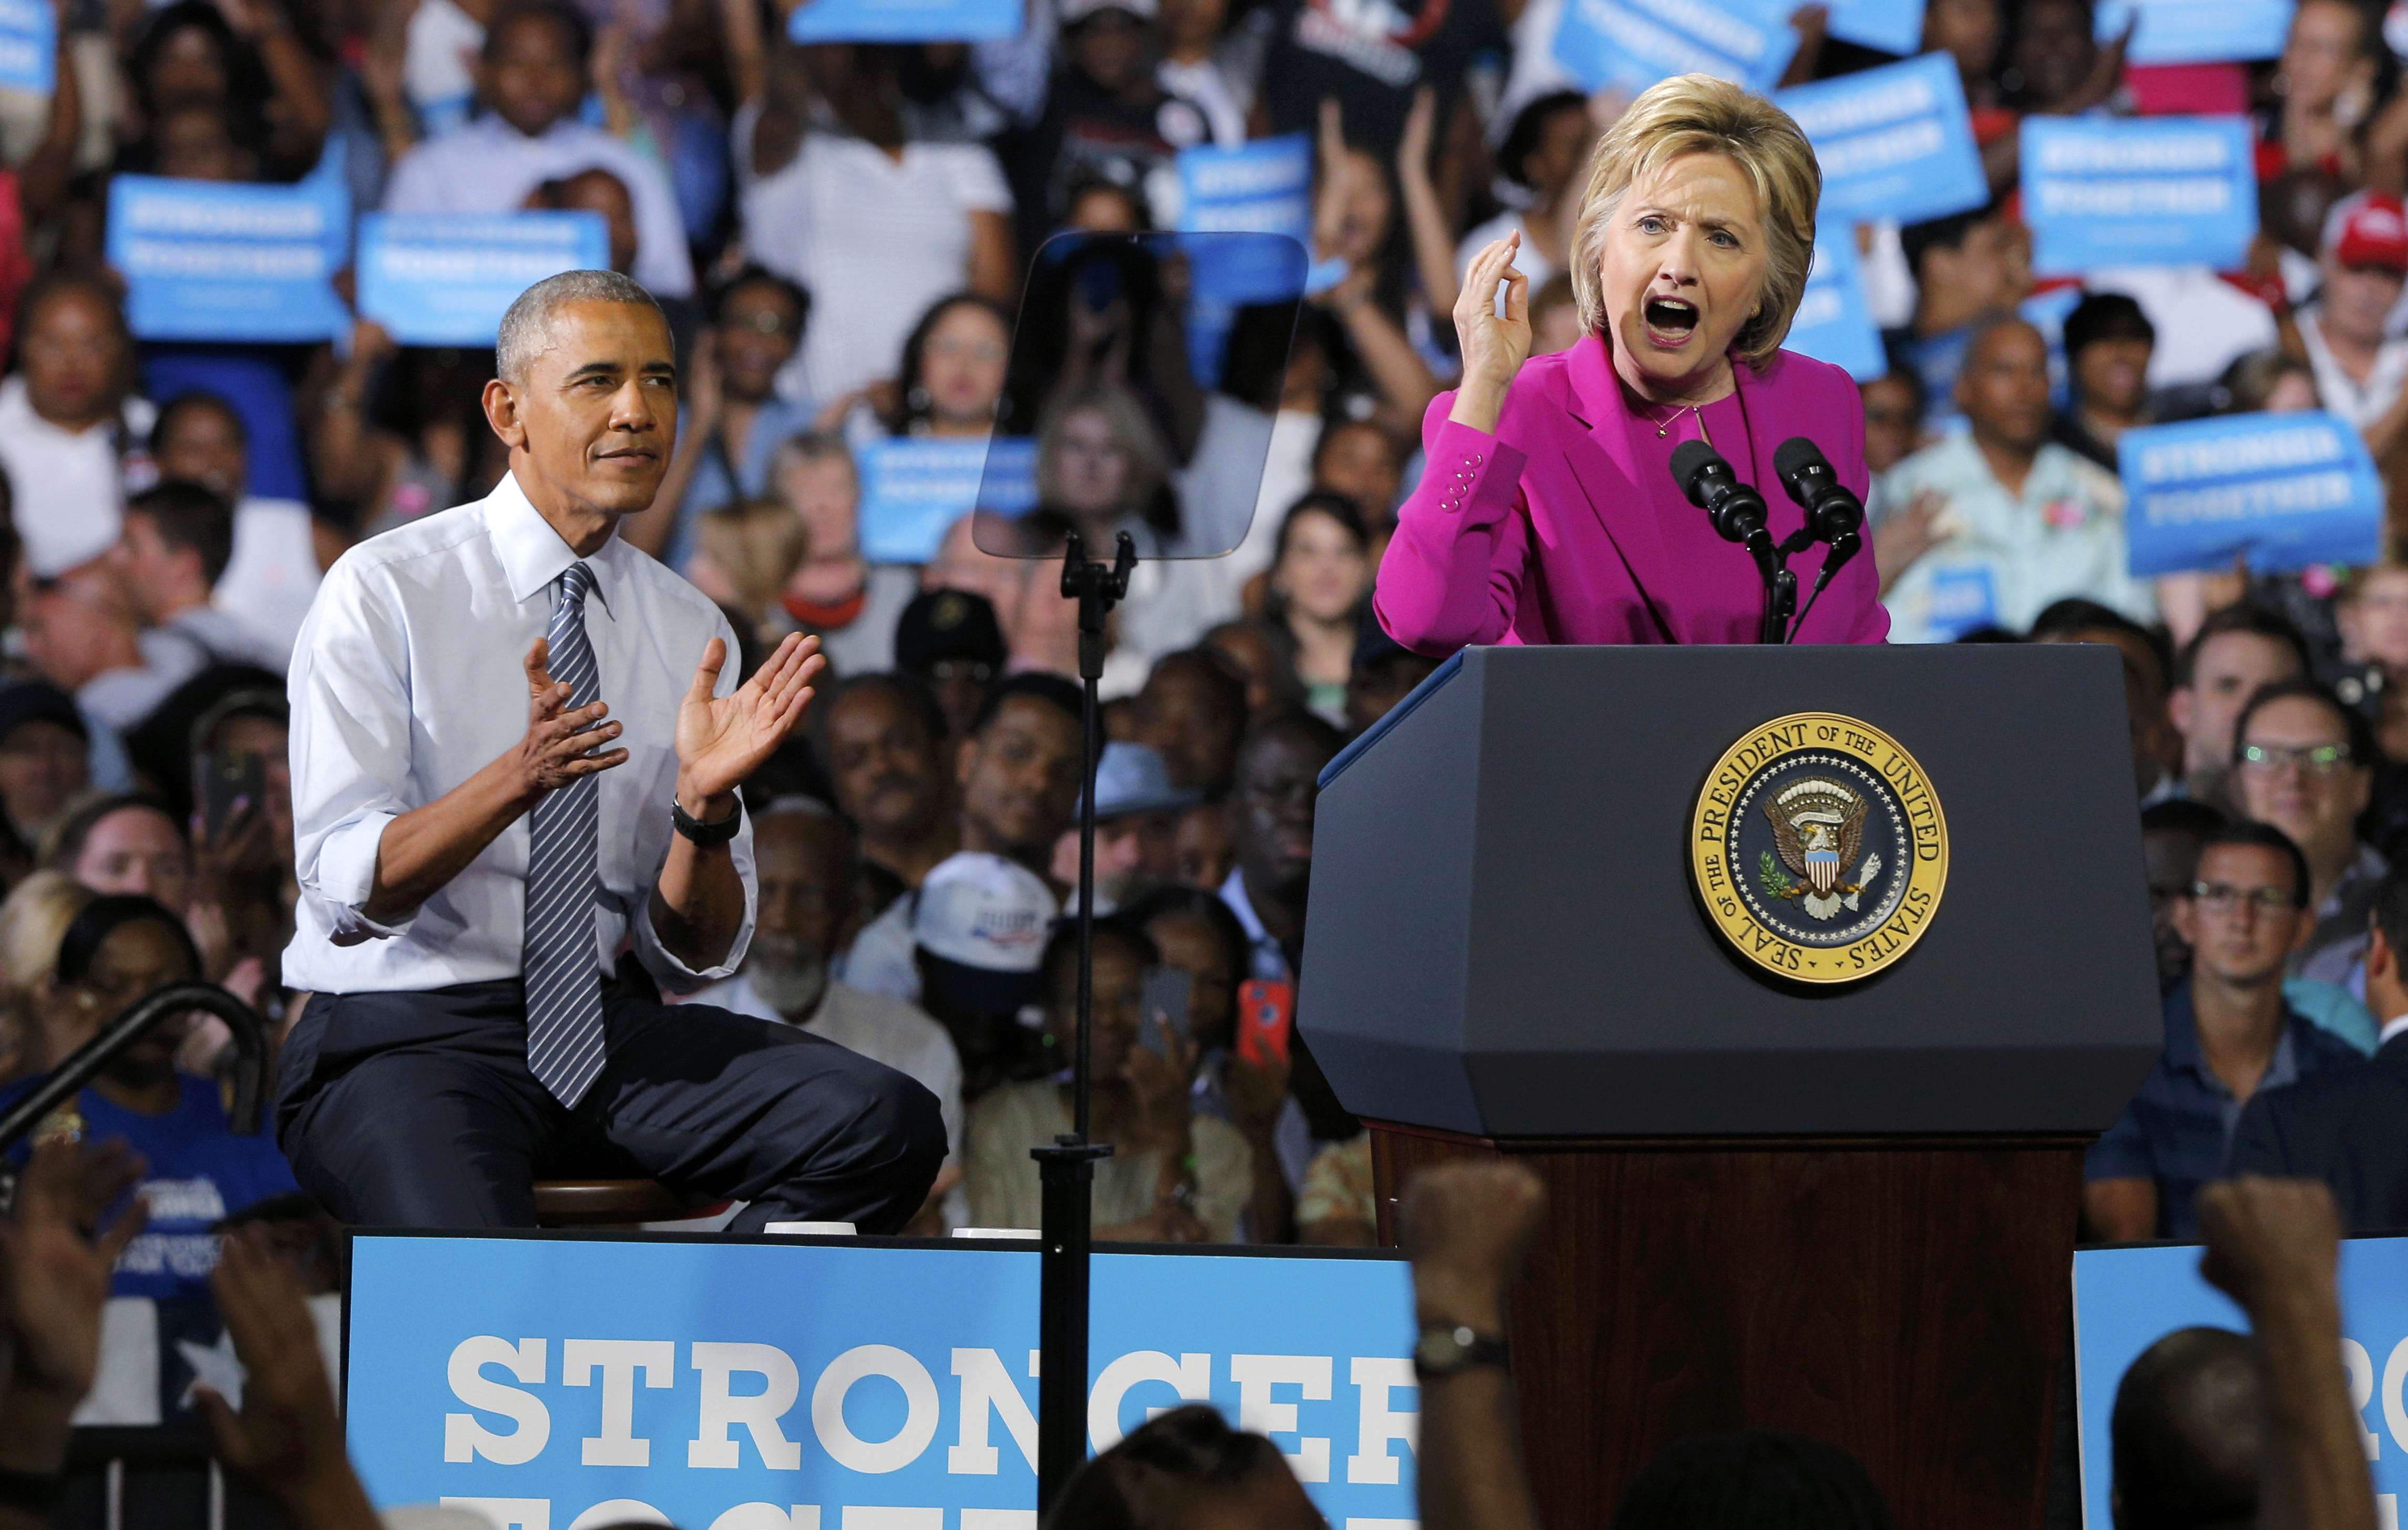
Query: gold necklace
[1664,426]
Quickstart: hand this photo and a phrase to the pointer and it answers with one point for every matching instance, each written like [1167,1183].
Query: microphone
[1737,511]
[1832,511]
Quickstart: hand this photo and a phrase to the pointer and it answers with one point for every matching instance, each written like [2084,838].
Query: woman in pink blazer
[1546,511]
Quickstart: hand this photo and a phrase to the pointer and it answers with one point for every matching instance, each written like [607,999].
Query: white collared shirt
[2391,1027]
[409,677]
[490,166]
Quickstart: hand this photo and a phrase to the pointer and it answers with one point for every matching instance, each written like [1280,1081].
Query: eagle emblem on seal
[1818,827]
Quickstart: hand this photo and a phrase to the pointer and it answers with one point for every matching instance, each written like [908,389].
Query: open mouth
[1671,321]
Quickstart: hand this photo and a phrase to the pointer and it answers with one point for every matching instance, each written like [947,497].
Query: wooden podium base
[1904,1298]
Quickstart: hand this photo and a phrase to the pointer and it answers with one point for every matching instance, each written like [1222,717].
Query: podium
[1840,1208]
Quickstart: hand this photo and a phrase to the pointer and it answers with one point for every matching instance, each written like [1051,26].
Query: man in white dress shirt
[502,777]
[533,77]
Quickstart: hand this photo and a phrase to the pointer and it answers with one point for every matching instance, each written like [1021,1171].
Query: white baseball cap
[980,924]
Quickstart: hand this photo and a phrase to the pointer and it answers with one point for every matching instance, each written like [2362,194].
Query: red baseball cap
[2368,229]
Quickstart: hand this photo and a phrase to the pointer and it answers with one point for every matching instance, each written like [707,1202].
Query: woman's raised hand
[1493,347]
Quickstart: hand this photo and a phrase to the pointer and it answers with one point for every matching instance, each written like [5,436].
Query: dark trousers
[418,1110]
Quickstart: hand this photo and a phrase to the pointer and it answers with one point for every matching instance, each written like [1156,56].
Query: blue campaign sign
[1631,44]
[1833,322]
[2127,1299]
[206,261]
[29,46]
[906,21]
[1890,26]
[782,1384]
[2198,31]
[2154,191]
[2282,490]
[912,487]
[1894,142]
[1263,187]
[442,278]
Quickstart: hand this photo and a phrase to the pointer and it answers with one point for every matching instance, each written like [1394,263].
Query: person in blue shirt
[117,950]
[2230,1035]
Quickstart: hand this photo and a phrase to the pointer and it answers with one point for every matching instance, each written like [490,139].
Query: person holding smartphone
[1175,1176]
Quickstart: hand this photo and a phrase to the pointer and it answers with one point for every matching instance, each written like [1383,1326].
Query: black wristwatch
[706,835]
[1447,1349]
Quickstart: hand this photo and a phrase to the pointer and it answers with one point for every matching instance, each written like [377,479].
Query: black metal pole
[82,1065]
[1067,1169]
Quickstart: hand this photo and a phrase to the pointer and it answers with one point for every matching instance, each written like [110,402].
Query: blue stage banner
[906,21]
[29,45]
[791,1385]
[441,278]
[2282,490]
[2156,191]
[1890,26]
[1833,322]
[1894,142]
[2199,30]
[912,487]
[1631,44]
[2127,1299]
[206,261]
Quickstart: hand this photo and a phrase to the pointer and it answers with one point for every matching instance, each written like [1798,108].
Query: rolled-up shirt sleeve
[672,974]
[350,693]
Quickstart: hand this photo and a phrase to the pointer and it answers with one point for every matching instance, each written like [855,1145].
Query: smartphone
[219,781]
[1163,1003]
[1265,1015]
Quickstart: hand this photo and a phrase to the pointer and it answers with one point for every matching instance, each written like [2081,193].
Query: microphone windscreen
[1688,459]
[1796,455]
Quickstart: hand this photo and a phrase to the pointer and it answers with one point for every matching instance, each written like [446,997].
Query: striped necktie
[564,975]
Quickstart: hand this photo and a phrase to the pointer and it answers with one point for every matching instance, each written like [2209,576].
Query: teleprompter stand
[1067,1167]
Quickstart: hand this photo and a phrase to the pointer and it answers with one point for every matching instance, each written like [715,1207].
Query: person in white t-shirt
[66,427]
[1544,152]
[268,581]
[531,76]
[875,226]
[2364,260]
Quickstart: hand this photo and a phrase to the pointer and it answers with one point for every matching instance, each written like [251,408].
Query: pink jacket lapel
[1624,507]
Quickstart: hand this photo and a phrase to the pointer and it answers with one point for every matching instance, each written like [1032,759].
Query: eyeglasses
[2224,898]
[2317,759]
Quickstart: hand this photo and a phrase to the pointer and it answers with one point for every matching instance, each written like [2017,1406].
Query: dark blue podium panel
[1504,939]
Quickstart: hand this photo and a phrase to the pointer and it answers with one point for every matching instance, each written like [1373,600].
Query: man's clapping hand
[721,740]
[560,745]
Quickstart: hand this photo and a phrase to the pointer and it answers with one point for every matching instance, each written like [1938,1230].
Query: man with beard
[885,755]
[802,853]
[1017,779]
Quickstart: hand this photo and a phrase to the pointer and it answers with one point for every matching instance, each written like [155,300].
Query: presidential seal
[1818,848]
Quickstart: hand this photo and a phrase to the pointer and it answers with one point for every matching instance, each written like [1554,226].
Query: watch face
[1441,1347]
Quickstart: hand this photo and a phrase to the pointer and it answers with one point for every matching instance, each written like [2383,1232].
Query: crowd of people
[840,235]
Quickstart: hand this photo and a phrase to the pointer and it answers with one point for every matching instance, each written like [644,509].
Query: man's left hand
[721,740]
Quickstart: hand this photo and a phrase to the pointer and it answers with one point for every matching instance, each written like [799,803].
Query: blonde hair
[1698,114]
[757,544]
[34,918]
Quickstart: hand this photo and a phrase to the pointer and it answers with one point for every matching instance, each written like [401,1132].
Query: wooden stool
[608,1202]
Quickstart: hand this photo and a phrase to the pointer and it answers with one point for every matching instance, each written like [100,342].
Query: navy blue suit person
[516,748]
